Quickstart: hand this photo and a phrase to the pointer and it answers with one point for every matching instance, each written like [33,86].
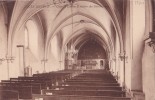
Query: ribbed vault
[56,15]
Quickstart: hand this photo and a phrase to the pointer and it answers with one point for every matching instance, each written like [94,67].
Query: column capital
[123,56]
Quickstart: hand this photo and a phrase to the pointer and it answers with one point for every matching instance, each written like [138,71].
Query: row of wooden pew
[63,85]
[89,85]
[24,87]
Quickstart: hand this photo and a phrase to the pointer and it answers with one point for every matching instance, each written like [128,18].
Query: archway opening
[86,52]
[92,55]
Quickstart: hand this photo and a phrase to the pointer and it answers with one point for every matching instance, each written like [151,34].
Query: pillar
[137,31]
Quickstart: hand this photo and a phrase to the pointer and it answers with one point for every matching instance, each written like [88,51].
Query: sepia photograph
[77,49]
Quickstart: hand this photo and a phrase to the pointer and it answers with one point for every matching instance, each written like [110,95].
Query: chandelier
[72,49]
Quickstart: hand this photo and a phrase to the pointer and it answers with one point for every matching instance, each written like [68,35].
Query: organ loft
[77,49]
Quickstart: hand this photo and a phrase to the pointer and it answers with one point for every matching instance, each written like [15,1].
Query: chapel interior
[77,49]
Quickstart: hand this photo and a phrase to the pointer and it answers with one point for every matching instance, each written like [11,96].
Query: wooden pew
[66,97]
[25,89]
[55,76]
[111,93]
[89,84]
[40,84]
[102,77]
[25,92]
[35,88]
[92,80]
[79,87]
[9,95]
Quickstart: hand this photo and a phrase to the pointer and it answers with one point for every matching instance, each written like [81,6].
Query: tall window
[31,36]
[26,38]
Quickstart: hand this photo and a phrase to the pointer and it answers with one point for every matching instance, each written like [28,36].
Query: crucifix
[44,61]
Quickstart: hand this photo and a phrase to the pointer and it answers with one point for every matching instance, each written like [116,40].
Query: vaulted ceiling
[71,20]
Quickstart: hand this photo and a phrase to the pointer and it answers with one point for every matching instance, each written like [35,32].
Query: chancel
[77,49]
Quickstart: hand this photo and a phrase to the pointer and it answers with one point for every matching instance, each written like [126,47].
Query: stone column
[137,31]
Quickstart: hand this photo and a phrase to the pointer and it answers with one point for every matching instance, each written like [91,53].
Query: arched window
[31,36]
[26,38]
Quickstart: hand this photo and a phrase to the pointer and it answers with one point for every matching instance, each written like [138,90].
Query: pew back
[9,95]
